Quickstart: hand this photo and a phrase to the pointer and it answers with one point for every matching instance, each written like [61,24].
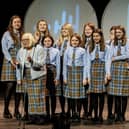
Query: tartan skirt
[36,93]
[119,84]
[97,84]
[75,88]
[8,72]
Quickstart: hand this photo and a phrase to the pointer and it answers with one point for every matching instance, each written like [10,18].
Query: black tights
[76,106]
[84,102]
[62,103]
[10,89]
[24,97]
[98,102]
[110,101]
[53,104]
[121,105]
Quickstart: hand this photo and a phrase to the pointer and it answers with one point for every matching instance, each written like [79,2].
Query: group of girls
[79,70]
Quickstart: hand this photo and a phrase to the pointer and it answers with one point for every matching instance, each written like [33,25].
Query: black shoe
[85,116]
[100,120]
[47,118]
[95,120]
[118,119]
[40,120]
[17,115]
[25,118]
[68,115]
[109,121]
[7,115]
[89,116]
[76,118]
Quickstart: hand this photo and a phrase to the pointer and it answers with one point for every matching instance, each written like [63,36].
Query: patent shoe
[7,115]
[17,115]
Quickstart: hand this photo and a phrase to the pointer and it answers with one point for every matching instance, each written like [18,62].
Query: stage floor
[14,124]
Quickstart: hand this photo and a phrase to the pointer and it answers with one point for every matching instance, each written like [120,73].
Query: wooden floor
[14,124]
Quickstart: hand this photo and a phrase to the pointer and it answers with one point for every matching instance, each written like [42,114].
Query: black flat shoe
[7,115]
[17,115]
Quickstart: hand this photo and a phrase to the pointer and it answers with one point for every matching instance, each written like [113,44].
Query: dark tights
[121,105]
[98,102]
[10,89]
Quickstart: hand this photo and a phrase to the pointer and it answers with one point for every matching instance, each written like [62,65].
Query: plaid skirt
[119,84]
[36,93]
[8,72]
[97,84]
[75,88]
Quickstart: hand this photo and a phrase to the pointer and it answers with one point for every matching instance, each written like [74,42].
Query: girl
[86,40]
[118,72]
[32,75]
[10,45]
[62,44]
[97,54]
[110,98]
[74,75]
[53,73]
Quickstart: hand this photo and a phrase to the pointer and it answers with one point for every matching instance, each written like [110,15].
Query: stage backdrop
[58,12]
[116,13]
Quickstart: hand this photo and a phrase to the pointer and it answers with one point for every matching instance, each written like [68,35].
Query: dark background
[9,8]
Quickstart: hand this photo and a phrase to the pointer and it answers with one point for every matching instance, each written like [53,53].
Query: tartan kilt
[119,84]
[8,72]
[97,84]
[36,93]
[75,88]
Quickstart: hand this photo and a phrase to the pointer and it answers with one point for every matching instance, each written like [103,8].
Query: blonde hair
[29,36]
[70,31]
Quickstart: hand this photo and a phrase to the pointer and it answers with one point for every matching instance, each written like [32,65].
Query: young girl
[110,98]
[86,40]
[53,74]
[97,55]
[62,44]
[118,73]
[41,30]
[11,43]
[74,75]
[31,74]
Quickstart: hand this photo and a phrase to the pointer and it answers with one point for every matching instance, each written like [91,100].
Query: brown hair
[124,38]
[47,30]
[92,26]
[102,44]
[10,29]
[77,36]
[47,36]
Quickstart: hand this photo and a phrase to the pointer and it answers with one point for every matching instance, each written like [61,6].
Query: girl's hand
[19,82]
[85,82]
[112,58]
[29,59]
[106,81]
[88,81]
[109,77]
[13,62]
[56,82]
[65,82]
[36,36]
